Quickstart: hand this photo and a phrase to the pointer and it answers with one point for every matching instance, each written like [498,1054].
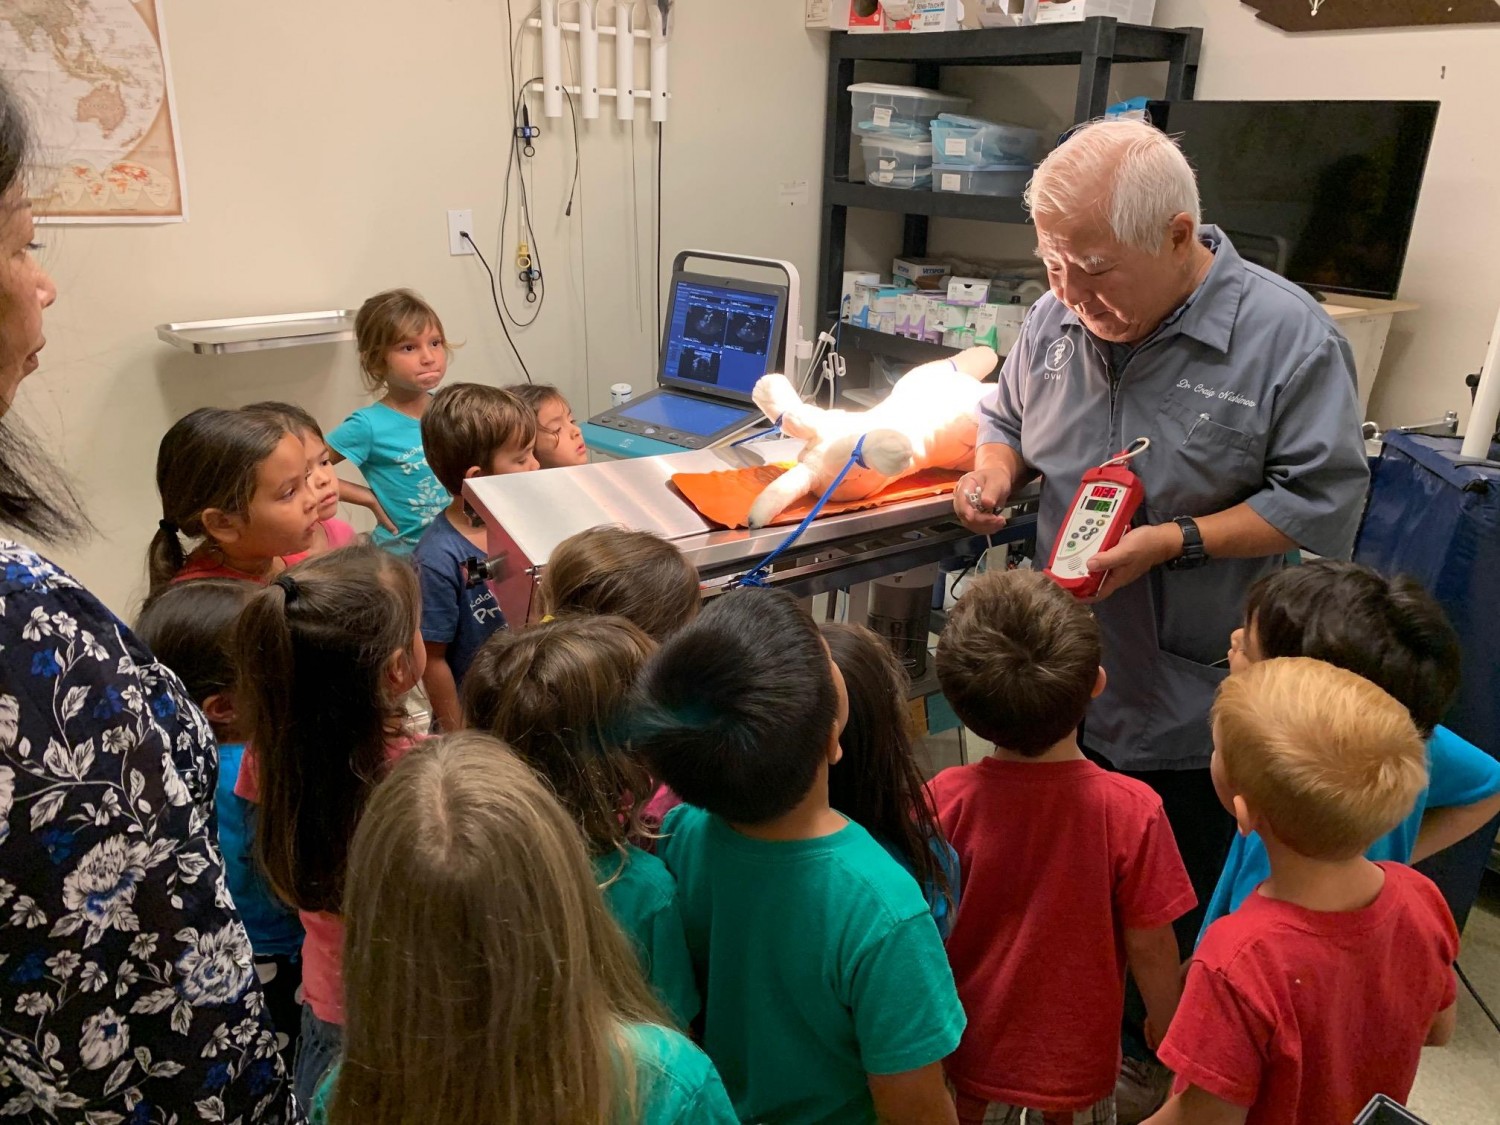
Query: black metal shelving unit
[1094,46]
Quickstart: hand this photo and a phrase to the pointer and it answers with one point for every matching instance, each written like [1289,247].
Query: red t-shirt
[201,566]
[323,947]
[1056,861]
[1303,1015]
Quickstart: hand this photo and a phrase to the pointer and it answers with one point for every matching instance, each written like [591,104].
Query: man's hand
[978,498]
[1141,549]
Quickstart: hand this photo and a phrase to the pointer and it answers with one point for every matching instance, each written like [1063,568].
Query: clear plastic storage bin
[972,141]
[997,179]
[899,111]
[896,162]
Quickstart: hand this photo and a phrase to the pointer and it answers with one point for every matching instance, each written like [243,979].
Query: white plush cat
[928,421]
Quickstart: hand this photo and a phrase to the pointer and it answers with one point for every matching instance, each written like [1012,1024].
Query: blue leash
[759,573]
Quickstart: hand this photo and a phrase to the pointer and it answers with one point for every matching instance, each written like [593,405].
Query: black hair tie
[168,526]
[288,586]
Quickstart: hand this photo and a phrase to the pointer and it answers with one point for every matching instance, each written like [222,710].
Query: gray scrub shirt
[1248,395]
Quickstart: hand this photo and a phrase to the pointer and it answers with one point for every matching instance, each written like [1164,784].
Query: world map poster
[94,77]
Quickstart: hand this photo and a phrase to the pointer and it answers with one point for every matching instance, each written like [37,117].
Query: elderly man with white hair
[1155,327]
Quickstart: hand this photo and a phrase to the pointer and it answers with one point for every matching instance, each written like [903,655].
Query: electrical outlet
[460,221]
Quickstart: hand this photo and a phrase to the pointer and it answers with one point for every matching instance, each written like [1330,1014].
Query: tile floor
[1458,1084]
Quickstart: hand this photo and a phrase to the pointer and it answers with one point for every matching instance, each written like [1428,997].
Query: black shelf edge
[916,201]
[897,347]
[1053,44]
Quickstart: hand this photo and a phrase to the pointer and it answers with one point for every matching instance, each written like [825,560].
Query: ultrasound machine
[721,335]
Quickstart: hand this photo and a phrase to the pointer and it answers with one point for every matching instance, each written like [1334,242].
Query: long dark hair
[876,783]
[190,628]
[208,459]
[35,495]
[311,651]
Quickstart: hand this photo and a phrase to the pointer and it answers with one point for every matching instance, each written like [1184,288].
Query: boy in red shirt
[1320,991]
[1069,872]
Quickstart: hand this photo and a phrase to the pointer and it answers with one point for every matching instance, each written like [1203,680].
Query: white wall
[324,142]
[1453,264]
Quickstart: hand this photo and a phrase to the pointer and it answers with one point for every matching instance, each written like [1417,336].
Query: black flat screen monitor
[1323,193]
[721,334]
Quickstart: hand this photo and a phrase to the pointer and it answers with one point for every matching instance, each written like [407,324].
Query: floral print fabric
[127,989]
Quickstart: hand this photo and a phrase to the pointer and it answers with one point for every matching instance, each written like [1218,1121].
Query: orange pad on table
[725,496]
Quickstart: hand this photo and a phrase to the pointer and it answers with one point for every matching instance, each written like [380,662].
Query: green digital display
[1097,505]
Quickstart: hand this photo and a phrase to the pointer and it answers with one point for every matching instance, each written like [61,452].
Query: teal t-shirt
[386,446]
[1458,773]
[675,1082]
[819,964]
[642,895]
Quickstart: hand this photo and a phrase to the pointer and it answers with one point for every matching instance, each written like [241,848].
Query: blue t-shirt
[273,927]
[942,911]
[453,612]
[386,446]
[1458,774]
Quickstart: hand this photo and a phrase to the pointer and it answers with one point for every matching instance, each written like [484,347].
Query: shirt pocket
[1204,466]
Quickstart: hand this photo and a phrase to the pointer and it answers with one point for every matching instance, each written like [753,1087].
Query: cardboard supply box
[968,291]
[1070,11]
[923,273]
[854,305]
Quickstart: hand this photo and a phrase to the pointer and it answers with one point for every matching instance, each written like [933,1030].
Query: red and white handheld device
[1099,517]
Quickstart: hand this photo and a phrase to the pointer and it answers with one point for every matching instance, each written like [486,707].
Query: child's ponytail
[207,460]
[312,652]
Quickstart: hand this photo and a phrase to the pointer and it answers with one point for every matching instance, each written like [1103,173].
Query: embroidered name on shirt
[1211,392]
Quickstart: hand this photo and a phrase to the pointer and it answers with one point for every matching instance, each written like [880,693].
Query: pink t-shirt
[199,566]
[335,531]
[323,947]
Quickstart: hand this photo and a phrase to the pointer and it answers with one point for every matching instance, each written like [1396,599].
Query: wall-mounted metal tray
[259,333]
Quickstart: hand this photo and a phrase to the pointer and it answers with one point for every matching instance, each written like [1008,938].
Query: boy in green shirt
[827,994]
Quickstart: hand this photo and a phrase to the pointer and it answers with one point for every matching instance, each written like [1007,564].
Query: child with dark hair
[877,783]
[324,656]
[554,693]
[236,484]
[1070,873]
[1322,989]
[827,997]
[469,430]
[1392,632]
[332,532]
[559,441]
[189,627]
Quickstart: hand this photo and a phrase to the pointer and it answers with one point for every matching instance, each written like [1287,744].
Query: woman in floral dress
[126,986]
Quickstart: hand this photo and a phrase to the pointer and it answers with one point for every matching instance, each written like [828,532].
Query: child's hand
[382,519]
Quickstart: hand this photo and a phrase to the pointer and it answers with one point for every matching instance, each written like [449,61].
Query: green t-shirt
[675,1082]
[820,965]
[643,900]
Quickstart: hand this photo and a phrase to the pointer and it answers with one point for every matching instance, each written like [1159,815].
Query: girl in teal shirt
[484,979]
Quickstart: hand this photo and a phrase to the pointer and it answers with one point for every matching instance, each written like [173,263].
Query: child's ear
[220,525]
[399,673]
[1245,821]
[1101,681]
[218,708]
[835,748]
[473,471]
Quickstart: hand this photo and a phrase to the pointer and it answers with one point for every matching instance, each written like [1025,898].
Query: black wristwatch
[1193,555]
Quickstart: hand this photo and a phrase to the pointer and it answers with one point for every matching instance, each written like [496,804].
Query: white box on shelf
[1070,11]
[828,15]
[937,315]
[854,304]
[911,314]
[920,270]
[967,292]
[936,15]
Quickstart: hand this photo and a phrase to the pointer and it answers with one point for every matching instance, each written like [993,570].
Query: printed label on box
[882,114]
[952,181]
[956,146]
